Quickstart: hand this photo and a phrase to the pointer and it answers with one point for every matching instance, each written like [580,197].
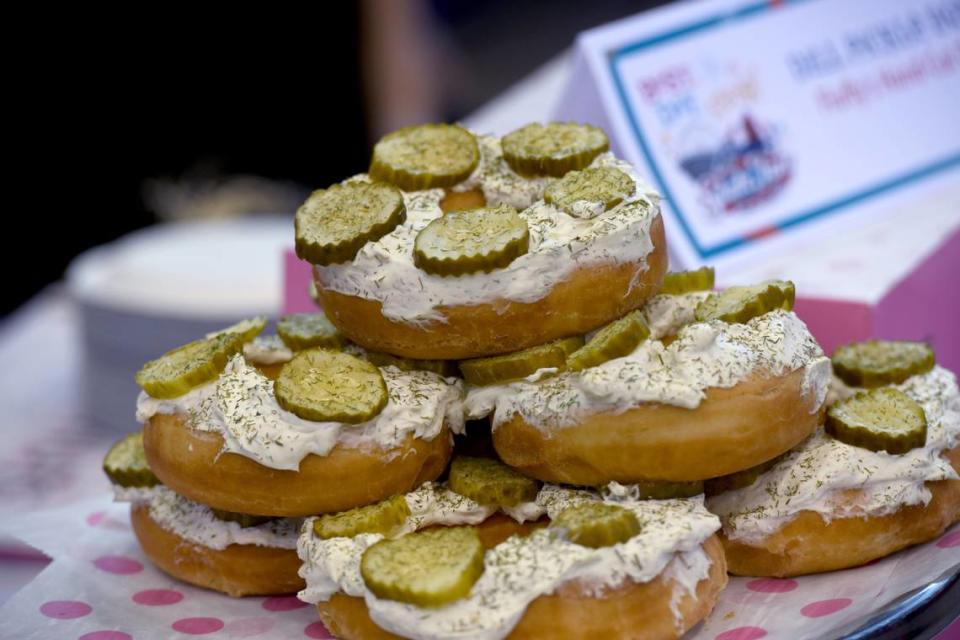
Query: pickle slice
[462,242]
[883,419]
[490,482]
[597,524]
[445,368]
[426,156]
[740,304]
[664,490]
[588,193]
[429,568]
[126,463]
[301,331]
[245,330]
[553,149]
[520,364]
[243,519]
[334,224]
[678,282]
[740,479]
[617,339]
[176,372]
[875,363]
[329,386]
[384,517]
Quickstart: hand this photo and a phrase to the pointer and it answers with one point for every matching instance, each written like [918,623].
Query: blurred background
[178,115]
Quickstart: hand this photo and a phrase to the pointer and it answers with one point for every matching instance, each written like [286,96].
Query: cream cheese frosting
[267,350]
[819,473]
[241,407]
[559,243]
[195,522]
[521,569]
[704,355]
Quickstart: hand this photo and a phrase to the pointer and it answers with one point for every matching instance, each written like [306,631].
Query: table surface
[48,458]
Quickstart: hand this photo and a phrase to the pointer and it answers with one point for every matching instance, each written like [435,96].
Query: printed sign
[761,120]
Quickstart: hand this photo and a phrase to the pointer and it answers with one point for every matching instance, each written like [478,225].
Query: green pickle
[445,368]
[679,282]
[520,364]
[876,363]
[740,479]
[463,242]
[384,517]
[178,371]
[490,482]
[426,156]
[329,386]
[604,186]
[126,463]
[243,519]
[301,331]
[553,149]
[883,419]
[245,330]
[334,224]
[616,340]
[597,524]
[666,490]
[741,304]
[429,568]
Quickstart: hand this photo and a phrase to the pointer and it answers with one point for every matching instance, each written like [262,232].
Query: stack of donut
[512,292]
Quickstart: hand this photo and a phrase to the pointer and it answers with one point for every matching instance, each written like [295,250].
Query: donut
[228,444]
[720,398]
[848,505]
[580,270]
[656,584]
[185,540]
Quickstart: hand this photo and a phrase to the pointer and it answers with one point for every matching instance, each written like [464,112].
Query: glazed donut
[277,464]
[579,272]
[721,398]
[676,590]
[848,505]
[186,541]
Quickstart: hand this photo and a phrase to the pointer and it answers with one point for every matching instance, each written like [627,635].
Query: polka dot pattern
[283,603]
[197,626]
[119,565]
[157,597]
[772,585]
[825,607]
[950,540]
[742,633]
[317,630]
[106,635]
[65,609]
[96,518]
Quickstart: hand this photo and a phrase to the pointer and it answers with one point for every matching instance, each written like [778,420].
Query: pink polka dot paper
[100,586]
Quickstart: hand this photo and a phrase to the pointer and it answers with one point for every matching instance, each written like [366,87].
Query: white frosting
[521,569]
[266,350]
[241,407]
[559,243]
[704,355]
[665,315]
[195,522]
[819,474]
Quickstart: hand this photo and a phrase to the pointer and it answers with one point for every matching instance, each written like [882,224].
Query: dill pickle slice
[588,193]
[445,368]
[126,463]
[664,490]
[597,524]
[554,148]
[740,304]
[740,479]
[875,363]
[429,568]
[490,482]
[462,242]
[520,364]
[243,519]
[617,339]
[301,331]
[329,386]
[243,331]
[334,224]
[679,282]
[883,419]
[426,156]
[384,517]
[178,371]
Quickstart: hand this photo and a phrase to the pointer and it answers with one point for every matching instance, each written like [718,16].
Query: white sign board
[770,124]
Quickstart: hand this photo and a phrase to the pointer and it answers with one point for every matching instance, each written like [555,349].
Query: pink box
[924,305]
